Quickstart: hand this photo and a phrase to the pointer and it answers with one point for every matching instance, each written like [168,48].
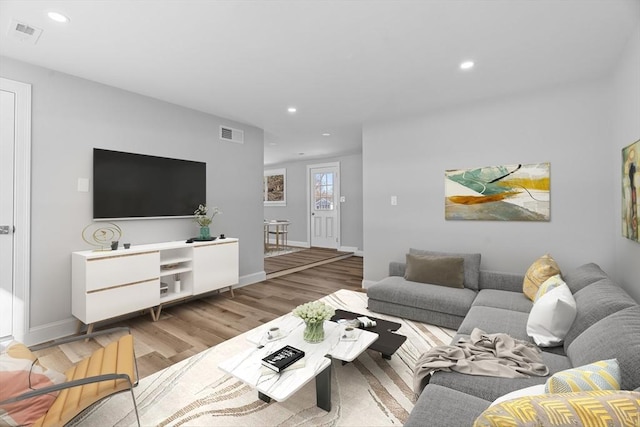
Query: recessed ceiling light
[326,134]
[467,65]
[292,109]
[58,17]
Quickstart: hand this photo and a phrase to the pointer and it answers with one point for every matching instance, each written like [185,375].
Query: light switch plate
[83,185]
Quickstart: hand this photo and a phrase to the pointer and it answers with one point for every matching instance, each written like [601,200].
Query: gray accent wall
[296,209]
[626,129]
[71,116]
[566,126]
[579,129]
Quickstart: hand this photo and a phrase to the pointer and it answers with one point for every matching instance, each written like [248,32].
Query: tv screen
[128,185]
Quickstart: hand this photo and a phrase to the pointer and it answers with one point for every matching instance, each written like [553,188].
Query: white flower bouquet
[201,215]
[314,312]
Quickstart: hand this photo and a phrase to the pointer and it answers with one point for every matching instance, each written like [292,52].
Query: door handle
[5,229]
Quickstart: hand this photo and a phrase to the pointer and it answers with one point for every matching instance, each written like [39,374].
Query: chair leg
[135,405]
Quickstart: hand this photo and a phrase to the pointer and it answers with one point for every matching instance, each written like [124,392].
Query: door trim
[21,206]
[337,191]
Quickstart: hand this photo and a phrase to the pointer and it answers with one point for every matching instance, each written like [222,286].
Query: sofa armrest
[397,268]
[501,281]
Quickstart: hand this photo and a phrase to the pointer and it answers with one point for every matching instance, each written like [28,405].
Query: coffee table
[388,341]
[247,367]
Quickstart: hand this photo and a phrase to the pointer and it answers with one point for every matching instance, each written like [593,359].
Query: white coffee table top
[247,367]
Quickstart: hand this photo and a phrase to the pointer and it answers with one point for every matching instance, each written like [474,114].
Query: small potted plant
[204,218]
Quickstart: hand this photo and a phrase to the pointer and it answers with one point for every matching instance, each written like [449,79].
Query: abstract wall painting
[498,193]
[630,190]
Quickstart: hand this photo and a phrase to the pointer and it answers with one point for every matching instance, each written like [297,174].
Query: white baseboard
[51,331]
[272,241]
[353,249]
[367,283]
[250,279]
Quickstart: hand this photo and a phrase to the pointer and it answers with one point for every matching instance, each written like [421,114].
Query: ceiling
[340,63]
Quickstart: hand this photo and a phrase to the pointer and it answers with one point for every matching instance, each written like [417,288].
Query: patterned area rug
[371,391]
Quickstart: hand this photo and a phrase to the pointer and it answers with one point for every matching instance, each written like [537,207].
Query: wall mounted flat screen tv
[128,185]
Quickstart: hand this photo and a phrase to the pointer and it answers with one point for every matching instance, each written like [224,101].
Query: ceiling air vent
[24,32]
[231,135]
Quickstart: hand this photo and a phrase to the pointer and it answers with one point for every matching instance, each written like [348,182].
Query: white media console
[107,284]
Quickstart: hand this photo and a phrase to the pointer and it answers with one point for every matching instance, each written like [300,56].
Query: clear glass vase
[313,332]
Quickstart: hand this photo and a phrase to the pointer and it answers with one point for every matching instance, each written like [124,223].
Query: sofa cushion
[471,265]
[496,320]
[542,269]
[443,407]
[397,290]
[616,336]
[595,302]
[613,408]
[601,375]
[551,316]
[583,276]
[443,271]
[490,388]
[515,301]
[501,281]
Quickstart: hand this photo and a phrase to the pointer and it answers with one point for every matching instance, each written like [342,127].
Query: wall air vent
[24,32]
[231,135]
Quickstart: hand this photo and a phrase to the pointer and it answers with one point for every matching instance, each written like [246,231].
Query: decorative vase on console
[314,314]
[201,216]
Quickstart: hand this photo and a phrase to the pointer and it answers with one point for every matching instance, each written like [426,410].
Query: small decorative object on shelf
[201,216]
[102,235]
[314,314]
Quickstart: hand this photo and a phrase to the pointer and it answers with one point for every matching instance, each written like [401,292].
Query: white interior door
[7,144]
[324,192]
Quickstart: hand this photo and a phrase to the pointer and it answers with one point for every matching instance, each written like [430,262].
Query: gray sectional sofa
[607,326]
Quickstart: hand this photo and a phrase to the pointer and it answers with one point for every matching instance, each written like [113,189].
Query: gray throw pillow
[471,265]
[443,271]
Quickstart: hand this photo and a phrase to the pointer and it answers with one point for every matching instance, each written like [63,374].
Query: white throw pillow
[551,317]
[534,390]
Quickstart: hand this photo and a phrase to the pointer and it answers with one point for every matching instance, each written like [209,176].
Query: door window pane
[323,191]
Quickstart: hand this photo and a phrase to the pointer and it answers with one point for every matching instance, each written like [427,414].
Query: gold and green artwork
[630,184]
[498,193]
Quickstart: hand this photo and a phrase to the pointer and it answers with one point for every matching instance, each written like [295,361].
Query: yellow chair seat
[116,358]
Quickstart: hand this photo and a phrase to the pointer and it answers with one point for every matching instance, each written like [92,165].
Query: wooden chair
[107,371]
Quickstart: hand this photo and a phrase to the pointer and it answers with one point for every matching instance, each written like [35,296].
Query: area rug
[371,391]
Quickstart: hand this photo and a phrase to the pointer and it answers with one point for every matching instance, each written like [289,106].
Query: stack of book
[283,358]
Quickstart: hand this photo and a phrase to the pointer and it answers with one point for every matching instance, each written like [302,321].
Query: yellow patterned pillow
[602,375]
[610,408]
[542,269]
[548,285]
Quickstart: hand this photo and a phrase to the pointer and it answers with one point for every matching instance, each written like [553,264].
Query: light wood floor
[189,328]
[297,261]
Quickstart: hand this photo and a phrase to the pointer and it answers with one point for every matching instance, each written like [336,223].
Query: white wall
[71,116]
[296,209]
[566,126]
[625,110]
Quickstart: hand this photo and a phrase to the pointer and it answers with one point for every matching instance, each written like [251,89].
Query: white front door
[324,192]
[7,144]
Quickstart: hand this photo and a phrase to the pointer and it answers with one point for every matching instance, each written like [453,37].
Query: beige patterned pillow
[542,269]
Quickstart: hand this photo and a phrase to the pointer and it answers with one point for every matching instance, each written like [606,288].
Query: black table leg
[264,397]
[323,389]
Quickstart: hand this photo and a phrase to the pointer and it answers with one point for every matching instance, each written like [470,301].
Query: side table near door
[278,228]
